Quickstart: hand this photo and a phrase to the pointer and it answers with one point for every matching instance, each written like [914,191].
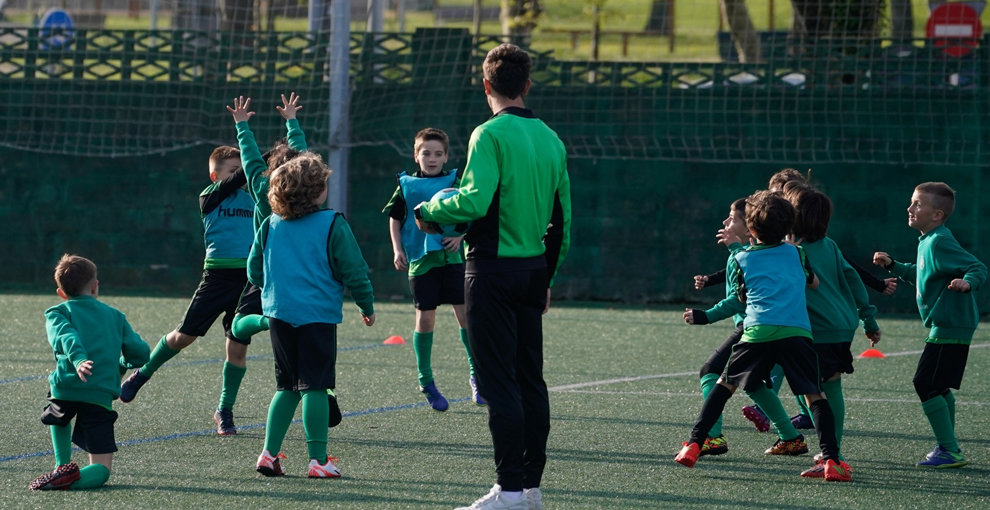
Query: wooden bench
[576,34]
[443,13]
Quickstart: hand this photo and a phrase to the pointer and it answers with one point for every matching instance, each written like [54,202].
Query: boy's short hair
[430,133]
[223,153]
[779,179]
[294,187]
[812,213]
[943,197]
[507,68]
[73,273]
[769,216]
[739,204]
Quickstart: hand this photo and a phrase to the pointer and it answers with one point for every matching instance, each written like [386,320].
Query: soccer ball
[450,230]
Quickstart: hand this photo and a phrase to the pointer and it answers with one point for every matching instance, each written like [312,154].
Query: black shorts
[941,366]
[717,361]
[442,285]
[833,358]
[305,356]
[751,362]
[218,293]
[94,424]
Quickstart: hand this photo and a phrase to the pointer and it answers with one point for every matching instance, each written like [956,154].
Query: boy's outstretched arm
[241,110]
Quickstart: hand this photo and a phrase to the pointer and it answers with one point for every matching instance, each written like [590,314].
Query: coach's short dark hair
[507,68]
[73,273]
[769,216]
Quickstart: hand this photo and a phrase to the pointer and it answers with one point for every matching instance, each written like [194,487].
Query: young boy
[790,442]
[92,343]
[225,209]
[302,260]
[945,275]
[836,307]
[434,262]
[770,276]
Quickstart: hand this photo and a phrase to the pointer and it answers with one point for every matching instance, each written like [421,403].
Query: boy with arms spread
[302,259]
[225,209]
[434,262]
[945,275]
[92,343]
[770,277]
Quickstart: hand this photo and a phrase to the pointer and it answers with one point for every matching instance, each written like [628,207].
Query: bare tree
[839,18]
[744,34]
[519,18]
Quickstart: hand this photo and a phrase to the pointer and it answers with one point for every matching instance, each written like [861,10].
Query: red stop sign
[955,27]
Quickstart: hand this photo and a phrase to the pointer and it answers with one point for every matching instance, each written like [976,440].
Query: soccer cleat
[802,421]
[534,498]
[795,446]
[269,465]
[758,417]
[131,385]
[335,416]
[434,397]
[940,458]
[224,418]
[816,471]
[688,455]
[328,470]
[714,446]
[837,471]
[475,396]
[58,480]
[495,500]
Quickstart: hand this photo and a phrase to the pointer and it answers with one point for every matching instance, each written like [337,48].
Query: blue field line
[199,362]
[211,432]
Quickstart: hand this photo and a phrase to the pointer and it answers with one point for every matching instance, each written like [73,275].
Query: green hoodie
[952,316]
[84,328]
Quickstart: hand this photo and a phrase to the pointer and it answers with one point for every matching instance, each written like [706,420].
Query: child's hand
[369,320]
[399,259]
[792,239]
[240,109]
[874,338]
[891,286]
[289,106]
[688,316]
[959,285]
[85,368]
[881,259]
[451,244]
[727,237]
[700,281]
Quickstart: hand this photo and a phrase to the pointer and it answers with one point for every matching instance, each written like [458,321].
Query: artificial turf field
[624,393]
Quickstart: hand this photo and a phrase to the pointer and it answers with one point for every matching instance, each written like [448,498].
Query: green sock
[423,347]
[770,404]
[231,375]
[246,326]
[159,356]
[467,349]
[937,411]
[90,477]
[837,401]
[708,381]
[776,378]
[950,400]
[280,413]
[315,414]
[803,407]
[62,443]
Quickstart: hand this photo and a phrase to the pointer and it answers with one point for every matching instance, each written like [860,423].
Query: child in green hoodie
[945,275]
[93,344]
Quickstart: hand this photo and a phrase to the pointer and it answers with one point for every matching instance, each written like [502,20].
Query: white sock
[512,495]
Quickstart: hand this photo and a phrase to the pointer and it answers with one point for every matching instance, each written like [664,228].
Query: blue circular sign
[56,29]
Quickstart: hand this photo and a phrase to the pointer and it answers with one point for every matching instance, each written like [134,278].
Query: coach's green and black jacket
[515,191]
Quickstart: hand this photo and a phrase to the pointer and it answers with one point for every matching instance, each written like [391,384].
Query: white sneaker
[494,500]
[328,470]
[534,498]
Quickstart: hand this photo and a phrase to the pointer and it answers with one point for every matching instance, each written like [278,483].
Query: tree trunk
[236,15]
[744,34]
[901,19]
[518,18]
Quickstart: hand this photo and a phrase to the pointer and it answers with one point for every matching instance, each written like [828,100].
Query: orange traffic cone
[872,353]
[394,340]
